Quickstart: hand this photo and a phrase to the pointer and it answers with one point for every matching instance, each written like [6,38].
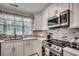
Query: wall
[66,34]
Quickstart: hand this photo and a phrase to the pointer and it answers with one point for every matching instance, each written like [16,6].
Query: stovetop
[54,45]
[56,42]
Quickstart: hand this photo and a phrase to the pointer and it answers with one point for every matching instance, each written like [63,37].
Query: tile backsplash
[66,34]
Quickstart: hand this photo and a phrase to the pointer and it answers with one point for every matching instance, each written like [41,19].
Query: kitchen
[39,29]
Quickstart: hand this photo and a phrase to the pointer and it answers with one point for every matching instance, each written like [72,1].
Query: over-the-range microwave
[54,21]
[61,20]
[65,18]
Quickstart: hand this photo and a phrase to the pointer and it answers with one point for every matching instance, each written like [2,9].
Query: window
[10,30]
[27,30]
[18,23]
[1,26]
[1,29]
[9,27]
[1,21]
[10,17]
[10,22]
[18,30]
[28,26]
[14,24]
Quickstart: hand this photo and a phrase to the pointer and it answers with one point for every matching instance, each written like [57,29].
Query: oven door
[64,18]
[55,53]
[52,54]
[47,52]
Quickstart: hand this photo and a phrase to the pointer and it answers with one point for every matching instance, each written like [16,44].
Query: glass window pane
[1,21]
[18,30]
[27,30]
[18,23]
[24,19]
[1,29]
[10,30]
[10,16]
[4,16]
[0,15]
[10,22]
[27,20]
[27,24]
[18,18]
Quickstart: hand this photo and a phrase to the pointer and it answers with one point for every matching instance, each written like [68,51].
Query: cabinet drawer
[18,44]
[26,43]
[6,45]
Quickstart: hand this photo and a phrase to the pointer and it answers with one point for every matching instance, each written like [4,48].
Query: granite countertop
[27,38]
[71,51]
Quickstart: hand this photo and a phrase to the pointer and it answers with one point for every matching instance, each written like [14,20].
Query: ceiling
[31,8]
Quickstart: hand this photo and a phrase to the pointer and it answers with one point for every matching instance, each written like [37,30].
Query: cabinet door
[75,15]
[6,49]
[71,16]
[27,48]
[37,21]
[44,19]
[18,48]
[62,7]
[37,47]
[52,10]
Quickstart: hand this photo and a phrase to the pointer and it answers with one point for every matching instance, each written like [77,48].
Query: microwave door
[64,18]
[54,22]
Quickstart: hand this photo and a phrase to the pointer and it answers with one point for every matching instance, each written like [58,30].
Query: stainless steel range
[53,47]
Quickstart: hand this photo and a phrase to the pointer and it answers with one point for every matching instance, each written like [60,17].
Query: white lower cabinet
[37,47]
[12,49]
[65,53]
[6,49]
[21,48]
[28,50]
[31,47]
[18,48]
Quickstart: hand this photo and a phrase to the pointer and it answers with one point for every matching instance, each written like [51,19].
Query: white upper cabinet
[37,21]
[74,21]
[57,8]
[40,20]
[52,10]
[62,7]
[45,19]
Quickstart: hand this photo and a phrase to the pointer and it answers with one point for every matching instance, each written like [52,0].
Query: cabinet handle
[13,49]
